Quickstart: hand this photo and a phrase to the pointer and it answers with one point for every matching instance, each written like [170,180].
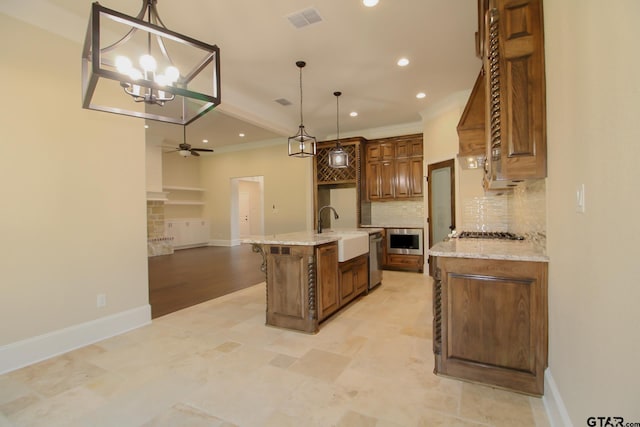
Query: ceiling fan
[185,149]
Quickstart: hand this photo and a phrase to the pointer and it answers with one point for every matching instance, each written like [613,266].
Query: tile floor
[216,364]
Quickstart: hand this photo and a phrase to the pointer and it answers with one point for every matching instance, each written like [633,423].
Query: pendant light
[338,158]
[302,144]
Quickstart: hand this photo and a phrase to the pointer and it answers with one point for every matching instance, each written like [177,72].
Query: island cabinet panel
[490,322]
[291,287]
[328,293]
[354,278]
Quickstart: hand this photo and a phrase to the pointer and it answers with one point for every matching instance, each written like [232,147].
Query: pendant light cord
[301,121]
[338,120]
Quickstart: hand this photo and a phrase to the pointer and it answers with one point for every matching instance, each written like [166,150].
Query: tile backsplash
[522,211]
[402,213]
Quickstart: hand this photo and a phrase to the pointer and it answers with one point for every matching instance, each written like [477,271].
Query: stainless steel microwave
[406,241]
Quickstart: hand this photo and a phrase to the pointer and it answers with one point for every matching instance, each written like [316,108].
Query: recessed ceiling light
[353,114]
[403,62]
[241,135]
[370,3]
[421,95]
[205,141]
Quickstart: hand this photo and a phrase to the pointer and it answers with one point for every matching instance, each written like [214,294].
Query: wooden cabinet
[307,284]
[328,285]
[328,179]
[291,287]
[409,176]
[471,127]
[380,151]
[513,60]
[404,262]
[490,322]
[394,168]
[380,180]
[354,276]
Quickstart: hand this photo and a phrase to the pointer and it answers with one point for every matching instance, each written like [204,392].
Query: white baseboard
[228,243]
[553,404]
[32,350]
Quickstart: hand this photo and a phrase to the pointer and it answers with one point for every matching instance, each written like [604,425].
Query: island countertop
[513,250]
[305,238]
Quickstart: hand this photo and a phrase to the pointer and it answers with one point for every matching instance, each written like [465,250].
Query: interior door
[244,211]
[442,202]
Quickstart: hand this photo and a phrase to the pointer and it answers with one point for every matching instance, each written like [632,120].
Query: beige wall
[73,214]
[287,188]
[593,111]
[441,143]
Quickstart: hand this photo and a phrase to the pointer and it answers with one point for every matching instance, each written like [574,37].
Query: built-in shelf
[184,202]
[178,188]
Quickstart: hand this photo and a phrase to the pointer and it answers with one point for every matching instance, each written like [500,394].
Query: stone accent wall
[157,242]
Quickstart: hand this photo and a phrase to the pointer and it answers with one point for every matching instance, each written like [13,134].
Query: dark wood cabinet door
[373,181]
[327,266]
[416,176]
[377,152]
[387,180]
[493,324]
[403,178]
[347,284]
[361,275]
[523,98]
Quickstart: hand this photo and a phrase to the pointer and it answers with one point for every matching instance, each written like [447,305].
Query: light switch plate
[580,205]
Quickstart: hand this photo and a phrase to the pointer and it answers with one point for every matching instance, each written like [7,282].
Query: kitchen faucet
[335,216]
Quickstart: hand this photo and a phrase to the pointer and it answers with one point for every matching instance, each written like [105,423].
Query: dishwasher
[375,259]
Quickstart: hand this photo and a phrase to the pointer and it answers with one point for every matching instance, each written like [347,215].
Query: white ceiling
[354,50]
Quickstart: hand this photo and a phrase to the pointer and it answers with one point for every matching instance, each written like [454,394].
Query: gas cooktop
[489,235]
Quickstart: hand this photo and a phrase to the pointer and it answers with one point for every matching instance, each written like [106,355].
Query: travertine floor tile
[217,364]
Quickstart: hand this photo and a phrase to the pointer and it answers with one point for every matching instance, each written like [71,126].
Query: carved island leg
[255,247]
[311,283]
[437,317]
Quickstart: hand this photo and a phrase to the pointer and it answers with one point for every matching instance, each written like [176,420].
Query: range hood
[471,128]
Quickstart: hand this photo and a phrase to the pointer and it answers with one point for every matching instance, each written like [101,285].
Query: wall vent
[283,101]
[304,18]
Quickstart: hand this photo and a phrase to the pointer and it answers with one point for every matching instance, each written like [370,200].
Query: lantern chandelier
[302,144]
[338,158]
[156,86]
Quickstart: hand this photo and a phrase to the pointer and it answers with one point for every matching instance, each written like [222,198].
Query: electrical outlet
[101,300]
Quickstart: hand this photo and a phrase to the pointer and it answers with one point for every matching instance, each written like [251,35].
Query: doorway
[247,207]
[441,202]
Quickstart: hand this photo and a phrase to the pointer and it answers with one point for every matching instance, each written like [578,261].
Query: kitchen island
[310,276]
[490,312]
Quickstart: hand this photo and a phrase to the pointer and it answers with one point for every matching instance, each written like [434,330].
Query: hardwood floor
[191,276]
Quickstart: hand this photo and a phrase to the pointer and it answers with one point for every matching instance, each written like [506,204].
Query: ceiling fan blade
[195,153]
[206,150]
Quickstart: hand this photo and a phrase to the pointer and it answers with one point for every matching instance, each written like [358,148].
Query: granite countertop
[512,250]
[306,238]
[421,226]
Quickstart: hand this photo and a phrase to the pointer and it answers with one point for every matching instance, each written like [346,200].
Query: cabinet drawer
[405,262]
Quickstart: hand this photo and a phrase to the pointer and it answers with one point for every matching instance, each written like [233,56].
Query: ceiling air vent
[304,18]
[283,101]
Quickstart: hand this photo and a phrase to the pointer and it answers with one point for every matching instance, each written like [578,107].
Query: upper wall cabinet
[513,59]
[394,168]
